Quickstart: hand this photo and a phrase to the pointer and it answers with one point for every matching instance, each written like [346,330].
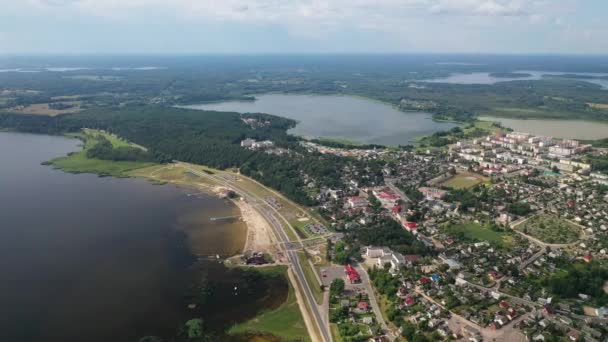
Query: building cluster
[486,277]
[252,144]
[510,152]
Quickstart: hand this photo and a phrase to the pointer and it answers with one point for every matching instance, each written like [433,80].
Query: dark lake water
[84,258]
[343,117]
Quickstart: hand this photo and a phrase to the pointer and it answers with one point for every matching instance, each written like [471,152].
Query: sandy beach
[260,237]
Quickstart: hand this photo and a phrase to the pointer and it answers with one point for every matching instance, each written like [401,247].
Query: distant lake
[84,258]
[486,78]
[335,116]
[568,129]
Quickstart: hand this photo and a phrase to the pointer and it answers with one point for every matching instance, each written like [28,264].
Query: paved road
[372,299]
[392,186]
[514,299]
[268,212]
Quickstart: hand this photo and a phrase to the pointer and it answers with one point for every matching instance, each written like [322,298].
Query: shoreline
[260,237]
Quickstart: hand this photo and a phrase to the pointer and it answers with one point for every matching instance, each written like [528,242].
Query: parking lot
[328,274]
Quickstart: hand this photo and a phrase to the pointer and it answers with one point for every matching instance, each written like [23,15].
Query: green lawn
[285,322]
[311,279]
[78,162]
[335,333]
[475,231]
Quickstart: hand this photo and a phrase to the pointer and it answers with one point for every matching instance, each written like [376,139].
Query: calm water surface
[569,129]
[335,116]
[485,78]
[96,259]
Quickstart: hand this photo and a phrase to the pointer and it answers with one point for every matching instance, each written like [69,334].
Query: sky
[302,26]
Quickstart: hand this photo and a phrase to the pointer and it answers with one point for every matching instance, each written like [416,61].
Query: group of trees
[388,232]
[578,278]
[519,208]
[343,254]
[104,150]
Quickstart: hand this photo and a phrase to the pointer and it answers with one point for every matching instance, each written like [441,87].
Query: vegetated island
[510,74]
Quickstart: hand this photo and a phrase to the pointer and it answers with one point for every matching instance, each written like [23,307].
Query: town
[497,238]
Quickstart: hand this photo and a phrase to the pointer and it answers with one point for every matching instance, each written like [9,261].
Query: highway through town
[268,212]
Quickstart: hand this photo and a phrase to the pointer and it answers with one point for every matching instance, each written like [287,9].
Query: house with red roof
[411,227]
[409,301]
[352,274]
[424,280]
[588,258]
[363,306]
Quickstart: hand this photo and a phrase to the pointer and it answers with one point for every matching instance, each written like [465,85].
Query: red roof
[588,258]
[411,224]
[397,209]
[353,275]
[363,305]
[408,301]
[504,304]
[388,195]
[424,280]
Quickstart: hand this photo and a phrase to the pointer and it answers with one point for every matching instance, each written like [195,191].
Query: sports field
[464,180]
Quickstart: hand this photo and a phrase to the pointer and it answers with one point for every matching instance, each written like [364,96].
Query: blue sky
[302,26]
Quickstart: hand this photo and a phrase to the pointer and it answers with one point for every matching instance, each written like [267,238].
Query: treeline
[337,144]
[201,137]
[104,150]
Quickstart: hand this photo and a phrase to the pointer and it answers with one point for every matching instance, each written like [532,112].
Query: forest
[202,137]
[391,79]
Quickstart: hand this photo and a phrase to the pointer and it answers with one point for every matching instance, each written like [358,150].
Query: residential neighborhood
[497,238]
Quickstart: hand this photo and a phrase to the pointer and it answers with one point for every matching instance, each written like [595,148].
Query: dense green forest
[391,79]
[580,278]
[202,137]
[386,232]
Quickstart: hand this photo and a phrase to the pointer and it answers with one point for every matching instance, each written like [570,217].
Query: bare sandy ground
[260,237]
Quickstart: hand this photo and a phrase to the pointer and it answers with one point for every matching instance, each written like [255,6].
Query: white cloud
[422,25]
[278,10]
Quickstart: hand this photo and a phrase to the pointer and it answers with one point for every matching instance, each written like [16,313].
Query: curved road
[267,212]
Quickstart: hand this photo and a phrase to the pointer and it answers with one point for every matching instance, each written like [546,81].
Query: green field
[311,279]
[77,162]
[285,322]
[464,181]
[474,231]
[550,229]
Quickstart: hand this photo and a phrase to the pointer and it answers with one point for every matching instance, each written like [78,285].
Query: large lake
[486,78]
[84,258]
[335,116]
[568,129]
